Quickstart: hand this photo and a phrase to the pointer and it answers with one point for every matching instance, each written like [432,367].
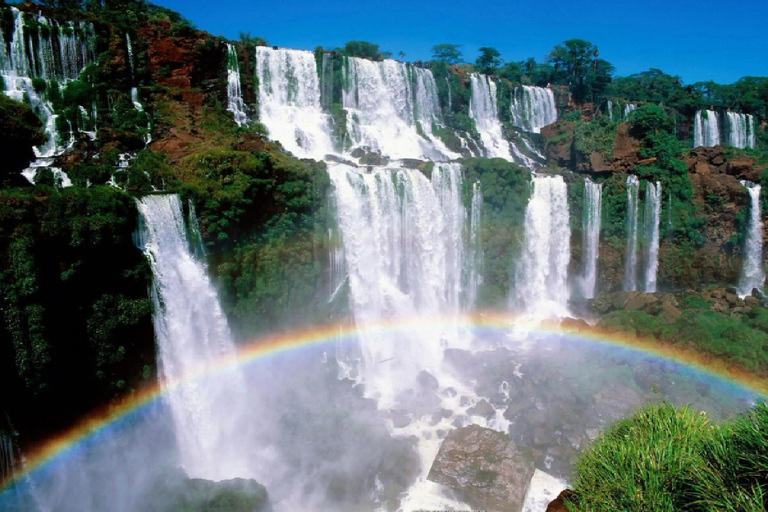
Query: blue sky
[697,40]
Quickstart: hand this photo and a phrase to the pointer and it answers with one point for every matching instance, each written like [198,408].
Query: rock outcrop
[484,467]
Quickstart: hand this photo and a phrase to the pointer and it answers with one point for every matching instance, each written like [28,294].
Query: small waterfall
[289,101]
[593,193]
[752,267]
[7,458]
[129,46]
[484,110]
[235,103]
[652,223]
[403,246]
[192,336]
[533,108]
[630,259]
[326,83]
[610,110]
[628,108]
[706,130]
[384,104]
[741,130]
[542,276]
[475,247]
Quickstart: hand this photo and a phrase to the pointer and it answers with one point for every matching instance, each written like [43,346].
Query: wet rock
[720,306]
[615,401]
[670,313]
[400,418]
[574,324]
[559,503]
[438,416]
[427,381]
[412,163]
[484,467]
[751,301]
[484,409]
[593,433]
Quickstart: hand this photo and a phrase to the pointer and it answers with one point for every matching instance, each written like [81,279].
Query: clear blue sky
[696,39]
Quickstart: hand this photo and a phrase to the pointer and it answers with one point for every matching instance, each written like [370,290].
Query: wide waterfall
[630,258]
[593,194]
[652,223]
[289,101]
[541,282]
[49,51]
[741,130]
[706,130]
[475,247]
[384,104]
[192,336]
[753,267]
[533,108]
[235,103]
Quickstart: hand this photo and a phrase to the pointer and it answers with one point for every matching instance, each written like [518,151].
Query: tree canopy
[489,60]
[448,53]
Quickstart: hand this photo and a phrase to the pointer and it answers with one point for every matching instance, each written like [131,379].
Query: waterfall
[289,101]
[192,336]
[541,284]
[652,222]
[129,47]
[706,131]
[326,83]
[630,259]
[610,110]
[384,103]
[628,108]
[475,247]
[403,245]
[7,458]
[752,267]
[741,130]
[484,110]
[593,193]
[235,103]
[51,51]
[533,108]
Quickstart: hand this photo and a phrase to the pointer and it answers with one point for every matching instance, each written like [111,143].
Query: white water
[593,194]
[541,284]
[235,103]
[484,110]
[289,101]
[630,258]
[533,108]
[475,247]
[652,223]
[60,63]
[741,130]
[383,104]
[628,109]
[192,334]
[753,267]
[706,131]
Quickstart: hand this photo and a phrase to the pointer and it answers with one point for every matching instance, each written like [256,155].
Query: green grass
[666,459]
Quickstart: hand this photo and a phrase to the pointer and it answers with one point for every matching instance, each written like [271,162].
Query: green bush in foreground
[667,459]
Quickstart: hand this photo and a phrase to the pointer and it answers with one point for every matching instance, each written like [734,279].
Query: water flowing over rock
[59,53]
[712,128]
[741,130]
[652,223]
[235,103]
[706,130]
[630,259]
[752,269]
[475,248]
[383,105]
[192,336]
[484,109]
[289,101]
[404,251]
[593,193]
[533,108]
[541,284]
[618,112]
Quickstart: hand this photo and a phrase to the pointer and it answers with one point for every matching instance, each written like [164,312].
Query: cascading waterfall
[741,130]
[593,193]
[630,258]
[706,130]
[752,267]
[652,223]
[484,110]
[192,334]
[289,101]
[475,247]
[58,54]
[403,246]
[383,108]
[628,109]
[235,103]
[533,108]
[541,284]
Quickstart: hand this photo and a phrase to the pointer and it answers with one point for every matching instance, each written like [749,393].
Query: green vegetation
[576,62]
[664,459]
[448,53]
[489,60]
[22,130]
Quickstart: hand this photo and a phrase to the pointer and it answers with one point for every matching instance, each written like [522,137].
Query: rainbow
[263,347]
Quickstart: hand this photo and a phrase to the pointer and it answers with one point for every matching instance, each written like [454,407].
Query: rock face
[484,467]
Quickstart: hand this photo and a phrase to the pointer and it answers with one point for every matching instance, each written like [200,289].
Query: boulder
[669,313]
[484,467]
[559,503]
[484,409]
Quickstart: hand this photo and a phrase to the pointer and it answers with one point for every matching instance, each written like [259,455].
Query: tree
[577,64]
[448,53]
[489,60]
[362,49]
[21,131]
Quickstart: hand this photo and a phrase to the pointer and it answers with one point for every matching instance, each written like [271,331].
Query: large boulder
[484,467]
